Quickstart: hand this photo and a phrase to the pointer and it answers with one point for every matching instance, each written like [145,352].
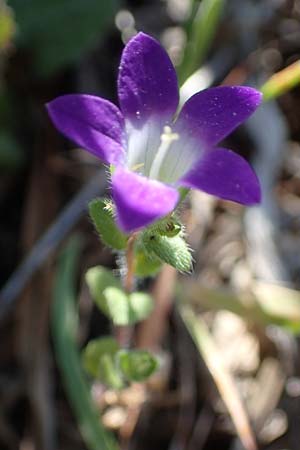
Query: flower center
[157,152]
[166,139]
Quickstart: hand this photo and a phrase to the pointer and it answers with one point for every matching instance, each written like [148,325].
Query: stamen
[137,167]
[166,139]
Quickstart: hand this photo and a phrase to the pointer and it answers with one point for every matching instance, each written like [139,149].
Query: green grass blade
[281,82]
[64,330]
[202,31]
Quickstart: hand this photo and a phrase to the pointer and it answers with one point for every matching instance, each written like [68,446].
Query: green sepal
[171,250]
[136,365]
[102,215]
[169,226]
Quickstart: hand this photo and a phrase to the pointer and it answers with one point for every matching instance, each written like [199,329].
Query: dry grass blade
[263,304]
[221,376]
[278,301]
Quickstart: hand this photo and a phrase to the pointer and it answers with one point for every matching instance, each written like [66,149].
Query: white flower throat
[162,156]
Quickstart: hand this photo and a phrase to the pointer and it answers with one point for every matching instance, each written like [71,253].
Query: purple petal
[225,174]
[147,83]
[139,200]
[92,122]
[212,114]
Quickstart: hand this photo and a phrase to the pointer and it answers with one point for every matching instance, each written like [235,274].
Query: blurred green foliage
[201,31]
[145,265]
[104,360]
[11,154]
[95,349]
[99,361]
[7,25]
[137,365]
[120,307]
[57,32]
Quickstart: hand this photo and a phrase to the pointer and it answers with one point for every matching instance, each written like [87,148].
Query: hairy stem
[124,333]
[129,277]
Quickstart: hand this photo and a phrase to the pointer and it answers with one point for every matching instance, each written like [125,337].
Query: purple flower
[154,154]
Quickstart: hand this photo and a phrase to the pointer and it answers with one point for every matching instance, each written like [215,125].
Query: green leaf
[145,265]
[109,373]
[107,292]
[171,250]
[94,351]
[98,278]
[101,212]
[137,365]
[98,359]
[116,306]
[59,31]
[141,305]
[125,309]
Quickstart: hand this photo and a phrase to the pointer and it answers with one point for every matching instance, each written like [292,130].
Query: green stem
[129,277]
[124,334]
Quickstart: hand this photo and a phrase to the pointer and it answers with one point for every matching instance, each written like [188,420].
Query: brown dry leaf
[239,347]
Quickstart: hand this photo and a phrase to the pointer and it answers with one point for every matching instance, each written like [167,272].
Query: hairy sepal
[171,250]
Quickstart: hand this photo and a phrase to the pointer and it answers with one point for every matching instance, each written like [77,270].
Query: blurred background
[243,289]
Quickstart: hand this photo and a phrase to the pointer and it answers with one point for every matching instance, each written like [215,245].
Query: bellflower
[153,153]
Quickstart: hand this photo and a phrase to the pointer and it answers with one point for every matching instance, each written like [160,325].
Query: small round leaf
[136,365]
[94,351]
